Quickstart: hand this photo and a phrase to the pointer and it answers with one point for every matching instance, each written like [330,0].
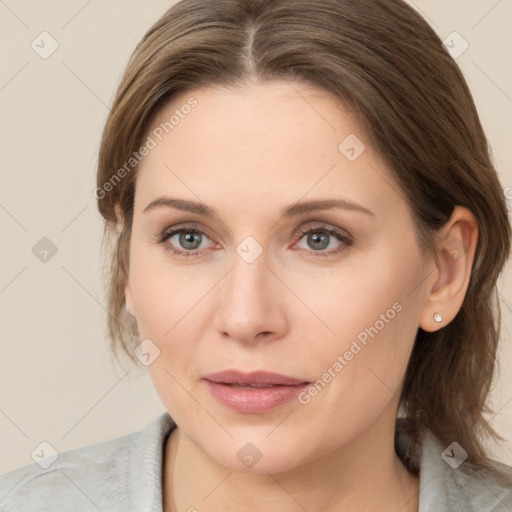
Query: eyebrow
[290,211]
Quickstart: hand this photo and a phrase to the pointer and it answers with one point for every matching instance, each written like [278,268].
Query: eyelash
[340,236]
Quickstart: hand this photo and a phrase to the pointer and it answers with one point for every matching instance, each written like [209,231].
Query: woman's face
[269,277]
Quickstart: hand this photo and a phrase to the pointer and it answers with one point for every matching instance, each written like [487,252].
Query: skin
[249,152]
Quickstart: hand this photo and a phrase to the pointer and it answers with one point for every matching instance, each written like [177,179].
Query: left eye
[319,239]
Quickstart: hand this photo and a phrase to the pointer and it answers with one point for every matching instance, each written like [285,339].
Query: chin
[253,450]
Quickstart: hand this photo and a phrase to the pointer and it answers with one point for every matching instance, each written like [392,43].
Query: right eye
[187,241]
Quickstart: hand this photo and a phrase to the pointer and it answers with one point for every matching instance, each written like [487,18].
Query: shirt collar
[448,482]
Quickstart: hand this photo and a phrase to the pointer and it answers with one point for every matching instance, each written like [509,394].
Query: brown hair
[383,59]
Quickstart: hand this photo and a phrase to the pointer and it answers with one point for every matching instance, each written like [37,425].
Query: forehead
[281,141]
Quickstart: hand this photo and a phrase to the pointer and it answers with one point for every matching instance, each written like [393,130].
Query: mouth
[254,392]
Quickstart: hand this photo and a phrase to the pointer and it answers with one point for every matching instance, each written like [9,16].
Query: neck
[364,475]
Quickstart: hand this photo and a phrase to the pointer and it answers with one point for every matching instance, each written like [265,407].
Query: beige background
[58,383]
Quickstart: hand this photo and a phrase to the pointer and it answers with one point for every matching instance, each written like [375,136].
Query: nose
[251,303]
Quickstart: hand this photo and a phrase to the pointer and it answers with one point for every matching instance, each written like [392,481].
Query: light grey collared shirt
[125,475]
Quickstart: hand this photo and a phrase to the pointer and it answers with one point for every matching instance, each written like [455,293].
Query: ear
[119,217]
[128,297]
[119,227]
[449,281]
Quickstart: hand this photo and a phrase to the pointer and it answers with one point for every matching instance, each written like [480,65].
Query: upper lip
[255,377]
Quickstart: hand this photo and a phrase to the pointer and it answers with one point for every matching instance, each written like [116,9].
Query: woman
[307,231]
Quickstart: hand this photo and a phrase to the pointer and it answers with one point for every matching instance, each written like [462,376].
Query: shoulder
[448,482]
[484,488]
[75,476]
[100,476]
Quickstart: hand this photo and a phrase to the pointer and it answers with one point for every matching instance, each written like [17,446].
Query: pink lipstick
[254,392]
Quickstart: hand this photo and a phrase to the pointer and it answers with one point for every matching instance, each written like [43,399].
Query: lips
[256,379]
[255,392]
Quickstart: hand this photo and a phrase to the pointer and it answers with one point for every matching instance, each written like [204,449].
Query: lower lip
[253,400]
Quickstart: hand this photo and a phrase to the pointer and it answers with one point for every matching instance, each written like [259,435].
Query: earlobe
[119,217]
[127,291]
[128,298]
[454,261]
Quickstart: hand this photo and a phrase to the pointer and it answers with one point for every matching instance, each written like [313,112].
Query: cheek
[367,300]
[172,306]
[372,319]
[167,299]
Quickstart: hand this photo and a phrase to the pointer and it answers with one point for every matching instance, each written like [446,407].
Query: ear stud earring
[438,318]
